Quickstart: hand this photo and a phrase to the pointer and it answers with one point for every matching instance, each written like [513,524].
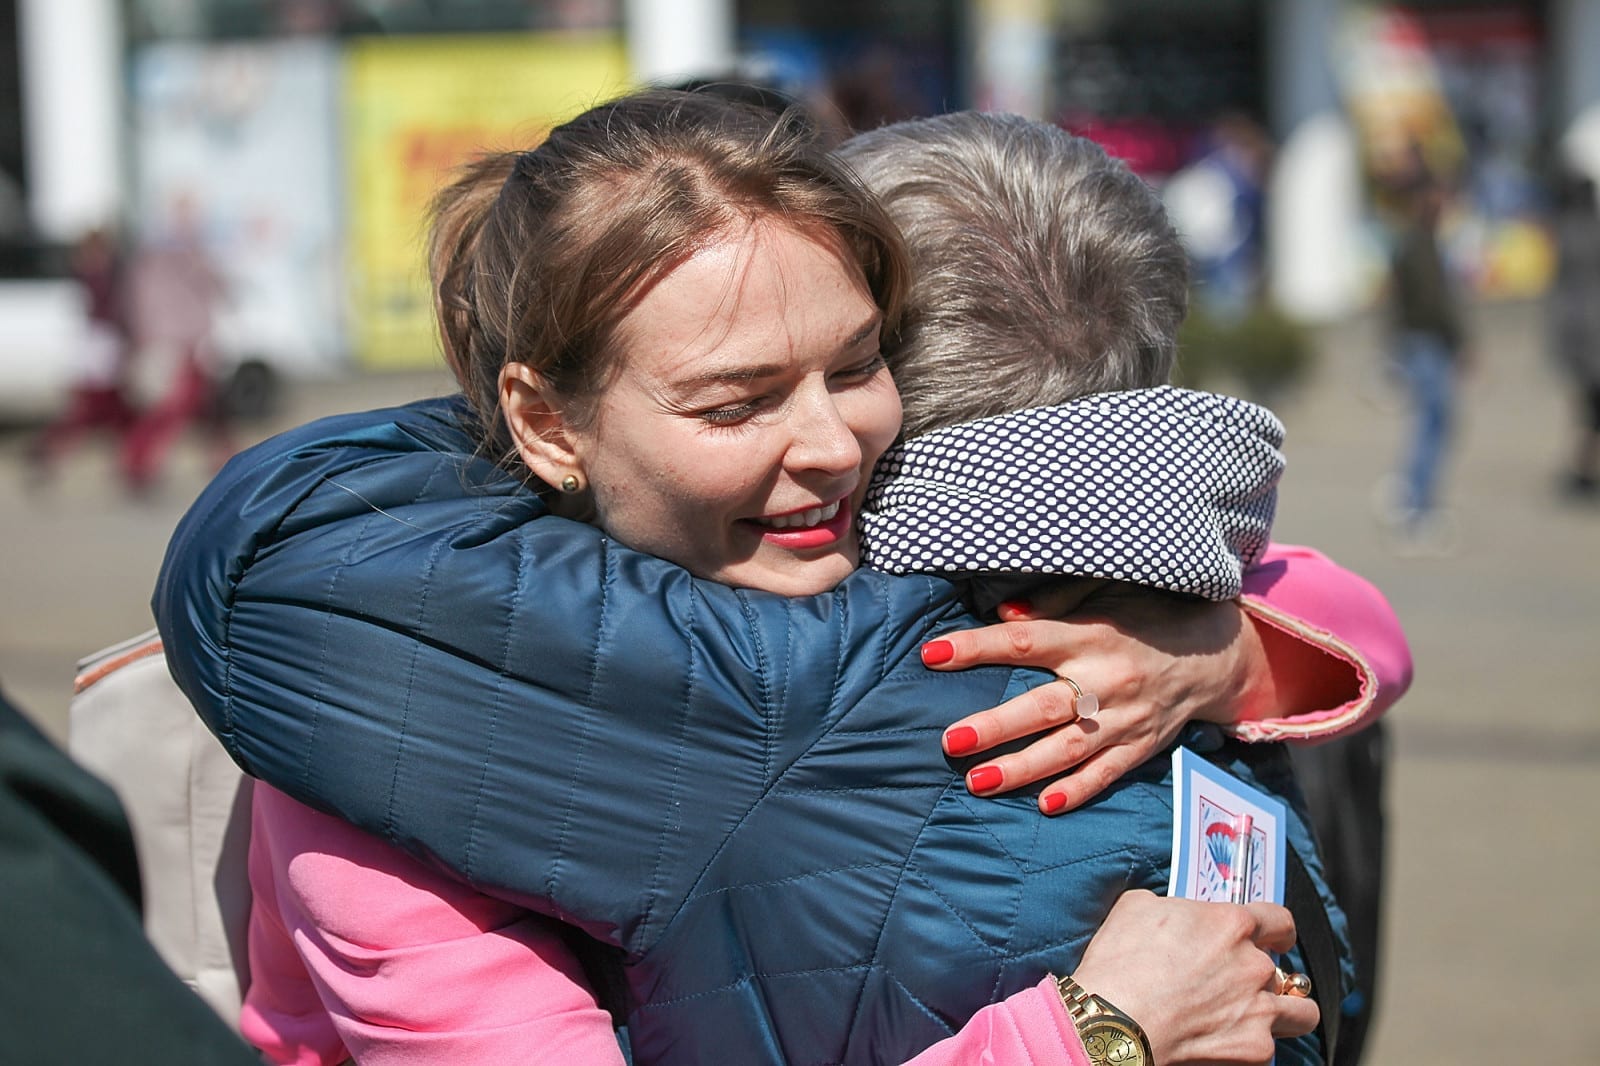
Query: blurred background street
[209,222]
[1493,917]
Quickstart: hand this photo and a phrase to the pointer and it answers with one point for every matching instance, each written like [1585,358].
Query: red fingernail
[936,652]
[962,740]
[985,779]
[1016,606]
[1053,802]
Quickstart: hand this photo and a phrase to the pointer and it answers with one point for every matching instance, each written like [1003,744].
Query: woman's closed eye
[731,414]
[861,371]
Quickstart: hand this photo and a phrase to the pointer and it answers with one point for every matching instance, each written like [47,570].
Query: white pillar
[1011,41]
[1574,44]
[672,40]
[1314,221]
[1300,76]
[1314,198]
[71,58]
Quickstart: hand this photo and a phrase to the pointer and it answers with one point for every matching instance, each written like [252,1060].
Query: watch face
[1110,1043]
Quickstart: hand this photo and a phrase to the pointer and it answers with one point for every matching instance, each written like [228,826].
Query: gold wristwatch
[1109,1036]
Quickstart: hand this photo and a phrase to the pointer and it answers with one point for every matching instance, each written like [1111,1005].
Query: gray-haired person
[1047,271]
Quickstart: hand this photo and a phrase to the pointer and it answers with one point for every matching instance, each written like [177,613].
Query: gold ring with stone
[1086,704]
[1293,984]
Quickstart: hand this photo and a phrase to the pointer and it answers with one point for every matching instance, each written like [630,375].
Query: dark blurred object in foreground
[79,982]
[1343,781]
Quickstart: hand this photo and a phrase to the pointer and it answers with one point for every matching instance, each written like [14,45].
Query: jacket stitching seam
[425,586]
[607,577]
[518,588]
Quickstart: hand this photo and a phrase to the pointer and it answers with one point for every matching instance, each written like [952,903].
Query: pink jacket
[358,949]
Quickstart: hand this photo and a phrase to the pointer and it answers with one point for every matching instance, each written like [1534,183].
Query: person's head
[1043,269]
[669,314]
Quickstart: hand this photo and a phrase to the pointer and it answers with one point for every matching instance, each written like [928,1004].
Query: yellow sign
[416,107]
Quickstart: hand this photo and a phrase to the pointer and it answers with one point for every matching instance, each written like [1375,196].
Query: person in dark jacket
[1430,349]
[1575,323]
[79,981]
[551,439]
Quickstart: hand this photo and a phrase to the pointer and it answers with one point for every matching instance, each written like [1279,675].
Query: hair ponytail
[457,217]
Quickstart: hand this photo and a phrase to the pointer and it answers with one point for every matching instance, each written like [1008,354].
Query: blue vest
[743,795]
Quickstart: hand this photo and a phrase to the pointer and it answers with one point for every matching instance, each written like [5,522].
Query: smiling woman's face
[748,407]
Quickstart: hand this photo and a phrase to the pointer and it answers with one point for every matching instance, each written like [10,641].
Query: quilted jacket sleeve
[357,610]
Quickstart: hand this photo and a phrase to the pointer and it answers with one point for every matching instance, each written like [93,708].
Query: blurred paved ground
[1494,916]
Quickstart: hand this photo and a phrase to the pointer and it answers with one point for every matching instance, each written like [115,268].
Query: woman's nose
[823,438]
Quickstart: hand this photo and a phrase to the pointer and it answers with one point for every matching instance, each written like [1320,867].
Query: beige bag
[189,806]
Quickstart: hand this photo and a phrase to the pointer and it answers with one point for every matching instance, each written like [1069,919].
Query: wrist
[1109,1034]
[1247,679]
[1257,686]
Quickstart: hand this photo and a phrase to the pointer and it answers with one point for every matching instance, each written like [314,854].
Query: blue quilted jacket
[741,796]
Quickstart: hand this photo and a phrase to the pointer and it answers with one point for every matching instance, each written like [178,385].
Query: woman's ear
[539,430]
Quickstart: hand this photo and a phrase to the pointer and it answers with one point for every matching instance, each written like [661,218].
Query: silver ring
[1086,704]
[1293,984]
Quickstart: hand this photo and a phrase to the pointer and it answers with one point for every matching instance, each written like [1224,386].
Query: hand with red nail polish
[985,779]
[1151,662]
[962,740]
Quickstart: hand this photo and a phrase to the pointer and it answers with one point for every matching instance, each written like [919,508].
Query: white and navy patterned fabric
[1165,487]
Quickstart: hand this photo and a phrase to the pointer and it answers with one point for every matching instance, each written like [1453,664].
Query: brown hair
[537,256]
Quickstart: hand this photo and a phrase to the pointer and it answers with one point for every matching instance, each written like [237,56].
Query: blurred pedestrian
[1430,352]
[1575,321]
[99,396]
[1218,203]
[174,289]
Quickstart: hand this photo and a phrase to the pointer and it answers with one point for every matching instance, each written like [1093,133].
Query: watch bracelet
[1082,1006]
[1075,999]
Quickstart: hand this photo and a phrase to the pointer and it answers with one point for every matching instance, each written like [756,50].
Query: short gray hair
[1042,269]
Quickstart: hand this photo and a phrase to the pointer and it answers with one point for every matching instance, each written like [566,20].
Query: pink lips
[802,538]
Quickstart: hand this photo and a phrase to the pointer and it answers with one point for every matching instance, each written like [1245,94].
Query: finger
[1004,644]
[1064,747]
[1093,776]
[1274,930]
[1042,708]
[1017,611]
[1294,1016]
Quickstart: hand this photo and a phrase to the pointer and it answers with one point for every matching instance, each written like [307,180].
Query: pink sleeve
[357,949]
[1305,595]
[1030,1028]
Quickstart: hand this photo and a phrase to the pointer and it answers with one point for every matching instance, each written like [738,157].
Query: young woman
[725,383]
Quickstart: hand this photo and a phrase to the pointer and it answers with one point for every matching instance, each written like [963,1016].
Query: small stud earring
[570,483]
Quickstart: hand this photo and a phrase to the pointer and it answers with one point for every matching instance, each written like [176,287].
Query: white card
[1214,813]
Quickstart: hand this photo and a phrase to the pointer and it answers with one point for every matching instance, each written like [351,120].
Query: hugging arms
[448,722]
[402,682]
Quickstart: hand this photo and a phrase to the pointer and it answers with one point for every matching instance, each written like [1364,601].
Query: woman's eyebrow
[729,375]
[872,326]
[738,374]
